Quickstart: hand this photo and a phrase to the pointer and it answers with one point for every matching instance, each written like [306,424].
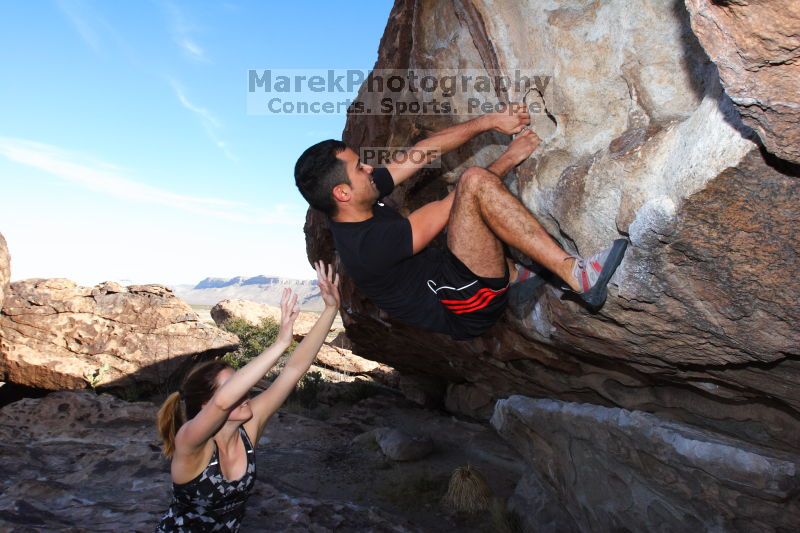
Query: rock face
[627,470]
[79,460]
[701,322]
[756,46]
[57,335]
[639,140]
[5,268]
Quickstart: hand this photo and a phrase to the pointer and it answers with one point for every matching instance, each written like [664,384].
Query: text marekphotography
[396,92]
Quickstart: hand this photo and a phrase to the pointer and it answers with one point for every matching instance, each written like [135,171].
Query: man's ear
[341,193]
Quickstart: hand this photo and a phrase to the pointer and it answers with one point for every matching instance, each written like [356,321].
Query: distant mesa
[263,280]
[217,283]
[261,289]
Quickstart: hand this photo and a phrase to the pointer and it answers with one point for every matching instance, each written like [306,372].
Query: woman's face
[242,411]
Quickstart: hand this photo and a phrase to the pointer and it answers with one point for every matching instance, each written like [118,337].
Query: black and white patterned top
[210,502]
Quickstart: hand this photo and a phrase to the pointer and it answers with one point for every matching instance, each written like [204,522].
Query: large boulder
[756,46]
[5,268]
[701,322]
[400,446]
[255,313]
[614,470]
[57,335]
[74,460]
[640,140]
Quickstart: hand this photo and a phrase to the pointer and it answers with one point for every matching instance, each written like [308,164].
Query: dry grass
[467,492]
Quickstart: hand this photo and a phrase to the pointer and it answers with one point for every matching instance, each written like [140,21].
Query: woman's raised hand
[289,312]
[328,284]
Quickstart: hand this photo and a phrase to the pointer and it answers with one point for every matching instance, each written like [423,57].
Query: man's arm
[518,151]
[441,142]
[428,221]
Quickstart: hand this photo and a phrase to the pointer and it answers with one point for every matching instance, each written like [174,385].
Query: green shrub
[252,340]
[307,390]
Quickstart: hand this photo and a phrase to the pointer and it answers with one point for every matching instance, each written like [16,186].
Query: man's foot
[594,273]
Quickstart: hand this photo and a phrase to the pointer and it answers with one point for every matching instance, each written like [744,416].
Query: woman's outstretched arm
[265,404]
[196,432]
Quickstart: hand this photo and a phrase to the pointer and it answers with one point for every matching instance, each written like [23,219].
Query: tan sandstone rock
[5,268]
[756,46]
[255,313]
[57,335]
[346,362]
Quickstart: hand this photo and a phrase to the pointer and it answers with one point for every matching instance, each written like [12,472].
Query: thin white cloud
[192,48]
[95,31]
[182,29]
[204,113]
[78,15]
[109,179]
[210,123]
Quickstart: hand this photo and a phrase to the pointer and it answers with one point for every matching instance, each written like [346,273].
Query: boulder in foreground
[606,469]
[57,335]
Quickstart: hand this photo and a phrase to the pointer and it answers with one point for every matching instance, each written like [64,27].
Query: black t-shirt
[378,254]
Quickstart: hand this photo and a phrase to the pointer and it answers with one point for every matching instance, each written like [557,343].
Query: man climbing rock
[463,289]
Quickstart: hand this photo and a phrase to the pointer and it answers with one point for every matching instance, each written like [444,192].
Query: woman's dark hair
[198,387]
[318,171]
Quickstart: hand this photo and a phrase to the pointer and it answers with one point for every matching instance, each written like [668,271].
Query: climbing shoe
[594,273]
[523,289]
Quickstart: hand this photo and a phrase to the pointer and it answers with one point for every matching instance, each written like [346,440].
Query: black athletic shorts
[473,303]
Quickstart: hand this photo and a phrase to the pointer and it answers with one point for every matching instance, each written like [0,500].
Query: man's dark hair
[318,171]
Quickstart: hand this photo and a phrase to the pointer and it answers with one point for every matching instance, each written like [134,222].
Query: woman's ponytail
[170,419]
[179,407]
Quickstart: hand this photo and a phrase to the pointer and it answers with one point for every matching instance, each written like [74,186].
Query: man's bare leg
[485,215]
[470,239]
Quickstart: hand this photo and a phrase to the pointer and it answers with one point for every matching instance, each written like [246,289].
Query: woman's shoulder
[187,465]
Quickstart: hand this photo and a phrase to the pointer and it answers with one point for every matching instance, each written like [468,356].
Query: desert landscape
[358,448]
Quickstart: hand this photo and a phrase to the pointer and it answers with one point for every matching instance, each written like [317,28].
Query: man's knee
[473,178]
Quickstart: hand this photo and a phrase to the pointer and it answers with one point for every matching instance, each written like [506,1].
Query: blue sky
[126,150]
